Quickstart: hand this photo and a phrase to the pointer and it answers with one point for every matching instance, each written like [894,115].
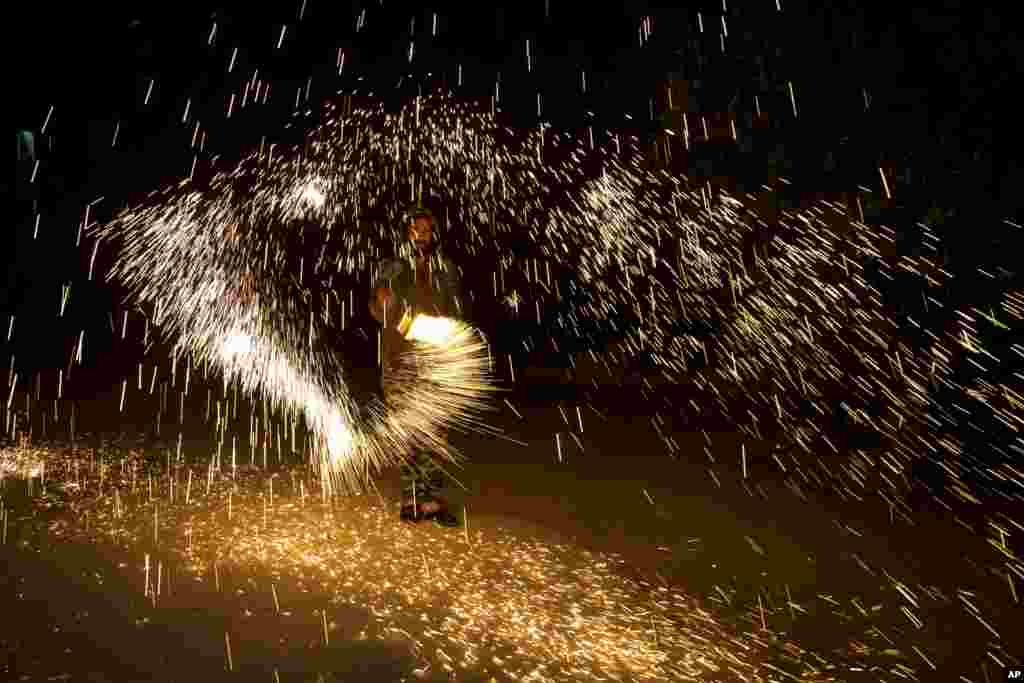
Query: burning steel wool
[209,263]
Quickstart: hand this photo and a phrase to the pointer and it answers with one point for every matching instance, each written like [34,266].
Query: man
[427,284]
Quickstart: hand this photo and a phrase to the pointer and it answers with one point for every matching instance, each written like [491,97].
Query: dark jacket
[441,296]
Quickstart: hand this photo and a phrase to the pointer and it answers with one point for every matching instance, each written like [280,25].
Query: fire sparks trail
[850,358]
[209,263]
[783,328]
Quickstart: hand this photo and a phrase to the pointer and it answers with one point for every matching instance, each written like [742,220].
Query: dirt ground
[602,557]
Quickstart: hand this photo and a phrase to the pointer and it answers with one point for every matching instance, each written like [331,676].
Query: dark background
[924,94]
[939,80]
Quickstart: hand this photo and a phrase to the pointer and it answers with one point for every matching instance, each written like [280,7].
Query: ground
[602,557]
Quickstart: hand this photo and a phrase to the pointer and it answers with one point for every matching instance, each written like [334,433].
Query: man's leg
[421,477]
[414,484]
[435,479]
[436,475]
[390,390]
[422,482]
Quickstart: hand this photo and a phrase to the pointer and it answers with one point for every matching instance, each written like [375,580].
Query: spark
[800,326]
[567,612]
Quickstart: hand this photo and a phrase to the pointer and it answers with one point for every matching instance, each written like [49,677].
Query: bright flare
[432,330]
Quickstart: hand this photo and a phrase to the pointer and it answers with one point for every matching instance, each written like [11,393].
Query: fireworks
[781,329]
[209,263]
[832,348]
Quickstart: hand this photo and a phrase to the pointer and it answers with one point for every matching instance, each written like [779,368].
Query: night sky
[936,78]
[917,92]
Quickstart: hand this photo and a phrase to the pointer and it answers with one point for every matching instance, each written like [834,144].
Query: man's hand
[384,297]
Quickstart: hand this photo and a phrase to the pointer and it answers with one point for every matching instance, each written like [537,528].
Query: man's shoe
[437,511]
[408,514]
[446,519]
[427,508]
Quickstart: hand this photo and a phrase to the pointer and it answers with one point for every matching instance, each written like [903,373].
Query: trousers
[422,477]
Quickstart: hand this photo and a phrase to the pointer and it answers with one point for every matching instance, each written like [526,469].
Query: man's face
[421,233]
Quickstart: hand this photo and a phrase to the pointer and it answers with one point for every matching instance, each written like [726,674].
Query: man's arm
[381,296]
[455,303]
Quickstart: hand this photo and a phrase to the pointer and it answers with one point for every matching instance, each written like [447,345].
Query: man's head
[421,230]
